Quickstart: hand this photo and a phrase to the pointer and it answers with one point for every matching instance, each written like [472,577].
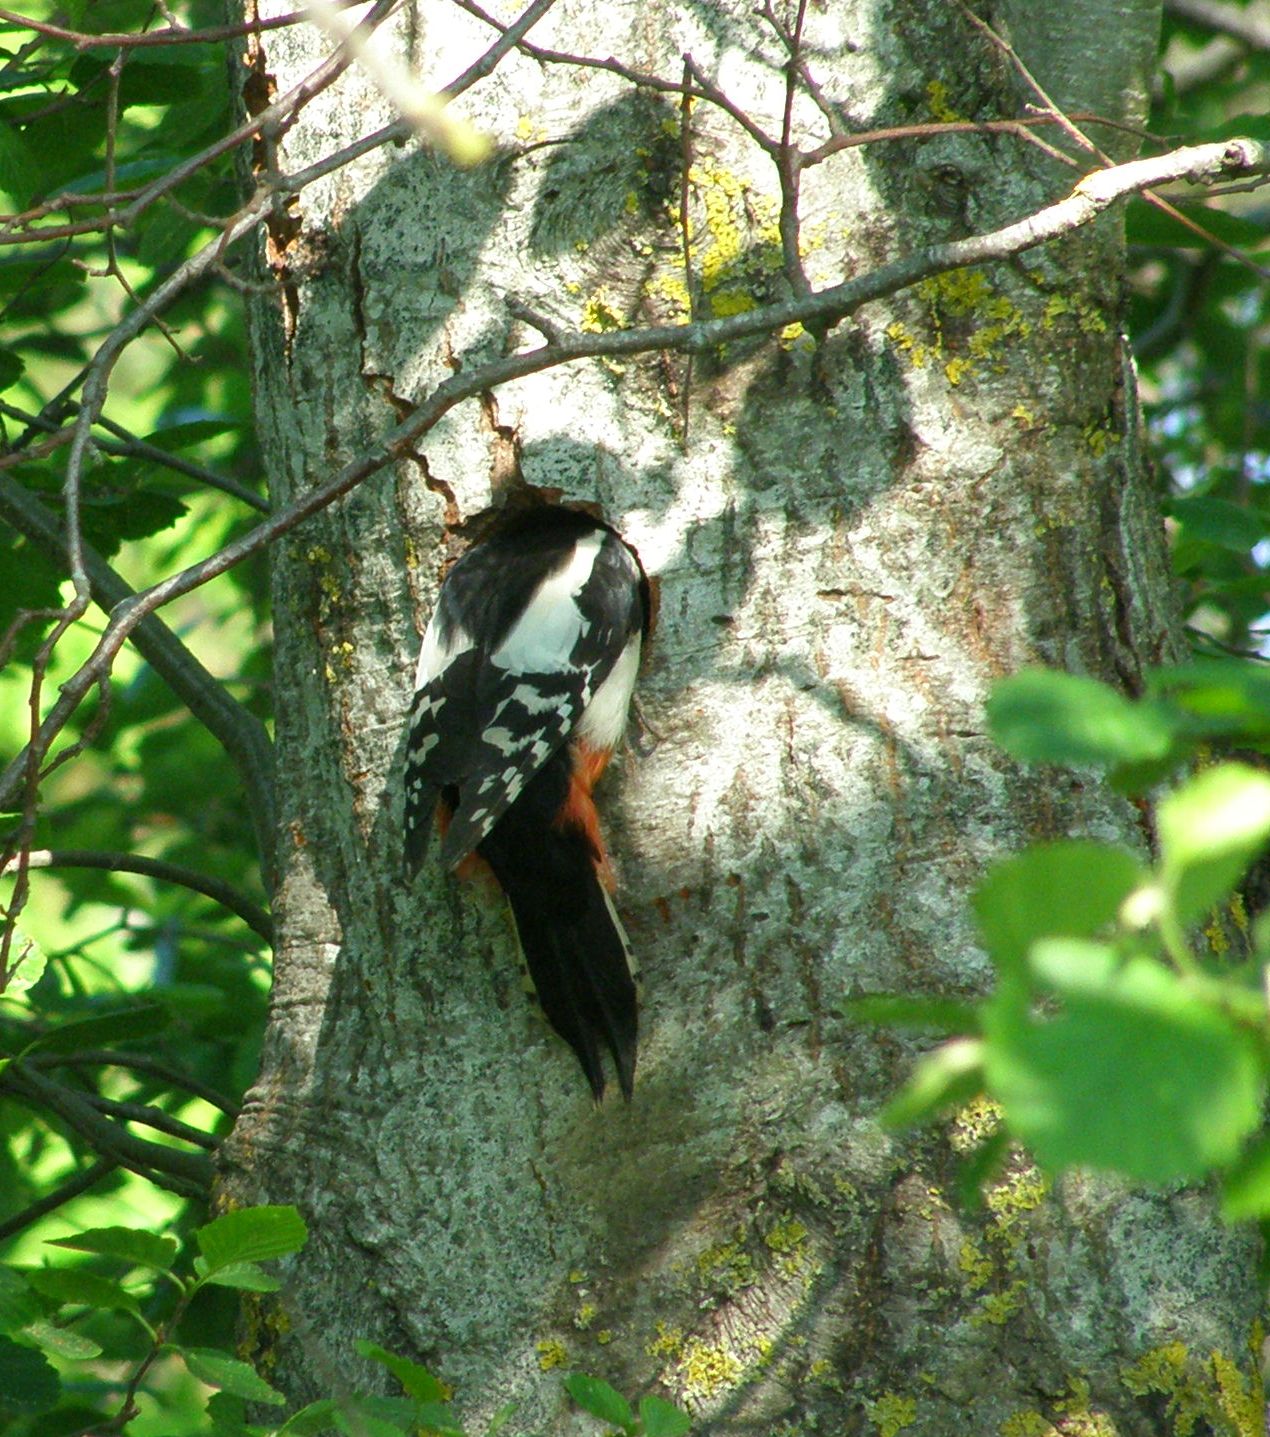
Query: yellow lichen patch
[1009,1202]
[976,1265]
[705,1369]
[1098,439]
[529,131]
[1078,1418]
[937,100]
[1240,1403]
[668,1342]
[1164,1370]
[576,1275]
[727,1265]
[584,1316]
[604,1336]
[600,313]
[673,292]
[956,369]
[551,1353]
[1027,1423]
[822,1372]
[973,1124]
[1024,415]
[891,1413]
[998,1307]
[1089,320]
[787,1239]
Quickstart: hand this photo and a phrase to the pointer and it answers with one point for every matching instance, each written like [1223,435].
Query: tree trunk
[852,540]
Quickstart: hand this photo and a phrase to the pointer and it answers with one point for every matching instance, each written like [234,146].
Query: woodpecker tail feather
[580,963]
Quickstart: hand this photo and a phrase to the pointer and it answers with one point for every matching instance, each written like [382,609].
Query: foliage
[131,1000]
[1129,1029]
[70,1330]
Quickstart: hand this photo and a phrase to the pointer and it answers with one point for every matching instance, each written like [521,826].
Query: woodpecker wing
[528,625]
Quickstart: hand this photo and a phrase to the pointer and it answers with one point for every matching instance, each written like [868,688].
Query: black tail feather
[579,962]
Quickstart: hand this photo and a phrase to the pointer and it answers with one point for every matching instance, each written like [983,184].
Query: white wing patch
[542,639]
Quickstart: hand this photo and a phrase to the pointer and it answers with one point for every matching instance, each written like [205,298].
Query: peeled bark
[853,540]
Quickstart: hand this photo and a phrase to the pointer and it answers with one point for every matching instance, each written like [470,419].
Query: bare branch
[239,732]
[187,1173]
[1091,197]
[220,892]
[60,1195]
[174,35]
[134,1062]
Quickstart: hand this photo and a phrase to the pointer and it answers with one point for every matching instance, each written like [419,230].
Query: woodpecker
[524,680]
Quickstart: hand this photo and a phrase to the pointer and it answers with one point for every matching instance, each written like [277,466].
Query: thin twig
[82,40]
[187,1173]
[239,732]
[1091,197]
[60,1195]
[134,1062]
[216,889]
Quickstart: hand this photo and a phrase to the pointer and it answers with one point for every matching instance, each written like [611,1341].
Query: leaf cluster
[1128,1030]
[112,1325]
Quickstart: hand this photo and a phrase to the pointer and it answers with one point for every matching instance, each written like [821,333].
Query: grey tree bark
[852,539]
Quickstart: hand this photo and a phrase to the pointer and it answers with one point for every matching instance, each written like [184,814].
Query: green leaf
[18,1303]
[1232,526]
[1246,1191]
[20,176]
[61,1342]
[901,1010]
[1072,888]
[237,1378]
[317,1417]
[74,1285]
[1044,716]
[660,1418]
[1136,1075]
[27,1382]
[251,1234]
[245,1276]
[501,1418]
[129,1244]
[102,1030]
[1224,697]
[1210,831]
[595,1396]
[951,1074]
[416,1381]
[227,1414]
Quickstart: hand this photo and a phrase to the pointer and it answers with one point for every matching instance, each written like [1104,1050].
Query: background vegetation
[133,1001]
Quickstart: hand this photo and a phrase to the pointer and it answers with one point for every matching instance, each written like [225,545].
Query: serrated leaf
[237,1378]
[1136,1074]
[61,1342]
[27,1382]
[595,1396]
[1071,888]
[1044,716]
[251,1234]
[1210,831]
[317,1417]
[102,1030]
[129,1244]
[75,1286]
[950,1074]
[660,1418]
[416,1381]
[245,1276]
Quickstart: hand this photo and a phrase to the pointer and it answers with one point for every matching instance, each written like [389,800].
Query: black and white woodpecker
[525,676]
